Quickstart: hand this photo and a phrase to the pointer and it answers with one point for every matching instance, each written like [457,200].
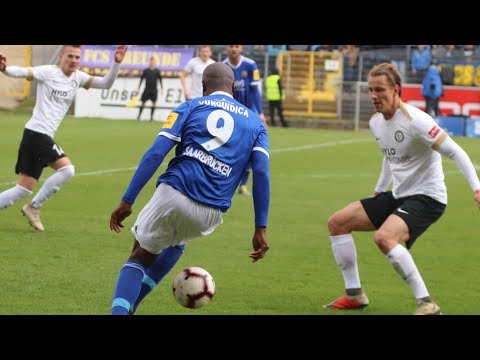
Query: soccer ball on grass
[193,287]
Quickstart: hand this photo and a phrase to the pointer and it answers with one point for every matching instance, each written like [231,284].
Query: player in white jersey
[412,144]
[57,87]
[215,138]
[194,69]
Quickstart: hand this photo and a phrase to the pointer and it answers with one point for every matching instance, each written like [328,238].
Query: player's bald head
[217,77]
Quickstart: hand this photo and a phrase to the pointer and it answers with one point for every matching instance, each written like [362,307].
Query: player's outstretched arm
[14,71]
[150,162]
[120,53]
[449,148]
[120,213]
[106,81]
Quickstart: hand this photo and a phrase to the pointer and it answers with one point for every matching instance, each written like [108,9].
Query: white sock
[346,256]
[404,265]
[12,195]
[53,184]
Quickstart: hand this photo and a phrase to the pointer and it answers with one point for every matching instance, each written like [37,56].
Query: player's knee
[384,240]
[67,171]
[336,226]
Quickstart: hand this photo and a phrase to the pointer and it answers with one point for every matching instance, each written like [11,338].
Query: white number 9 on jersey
[220,134]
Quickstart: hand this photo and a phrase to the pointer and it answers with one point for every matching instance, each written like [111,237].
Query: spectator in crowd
[445,52]
[56,90]
[432,91]
[444,56]
[192,195]
[468,50]
[350,55]
[420,61]
[275,49]
[275,95]
[194,69]
[470,53]
[151,75]
[350,65]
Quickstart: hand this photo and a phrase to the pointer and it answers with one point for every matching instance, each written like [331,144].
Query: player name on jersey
[225,105]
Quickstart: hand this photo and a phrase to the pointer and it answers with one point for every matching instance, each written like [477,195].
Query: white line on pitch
[314,146]
[298,148]
[358,175]
[287,149]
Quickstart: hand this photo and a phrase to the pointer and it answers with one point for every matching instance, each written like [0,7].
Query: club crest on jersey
[73,84]
[399,136]
[434,131]
[244,73]
[170,121]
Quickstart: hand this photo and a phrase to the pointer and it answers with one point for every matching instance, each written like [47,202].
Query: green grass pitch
[71,267]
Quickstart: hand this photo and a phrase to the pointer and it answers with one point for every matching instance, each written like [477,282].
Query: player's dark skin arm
[121,212]
[260,243]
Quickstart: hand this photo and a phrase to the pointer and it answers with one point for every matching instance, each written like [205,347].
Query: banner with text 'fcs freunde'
[97,59]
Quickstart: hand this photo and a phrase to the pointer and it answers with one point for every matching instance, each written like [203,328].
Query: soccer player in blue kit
[216,138]
[246,91]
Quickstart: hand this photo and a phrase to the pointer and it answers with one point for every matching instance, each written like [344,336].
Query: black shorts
[149,95]
[36,151]
[418,212]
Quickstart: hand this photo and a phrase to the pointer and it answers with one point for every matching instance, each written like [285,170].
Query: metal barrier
[311,81]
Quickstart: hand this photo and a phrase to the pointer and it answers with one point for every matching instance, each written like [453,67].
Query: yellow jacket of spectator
[272,89]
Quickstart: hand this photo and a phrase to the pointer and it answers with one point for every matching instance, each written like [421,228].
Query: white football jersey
[194,68]
[55,94]
[405,141]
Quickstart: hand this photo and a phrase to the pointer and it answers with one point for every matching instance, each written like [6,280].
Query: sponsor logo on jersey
[60,97]
[240,85]
[434,131]
[170,120]
[399,159]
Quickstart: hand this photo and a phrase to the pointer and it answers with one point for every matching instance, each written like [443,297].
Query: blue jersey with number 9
[216,136]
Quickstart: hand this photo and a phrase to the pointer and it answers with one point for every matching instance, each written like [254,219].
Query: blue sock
[127,287]
[161,267]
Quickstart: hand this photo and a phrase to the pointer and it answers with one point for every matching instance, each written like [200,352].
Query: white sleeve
[18,72]
[453,151]
[189,68]
[385,177]
[105,82]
